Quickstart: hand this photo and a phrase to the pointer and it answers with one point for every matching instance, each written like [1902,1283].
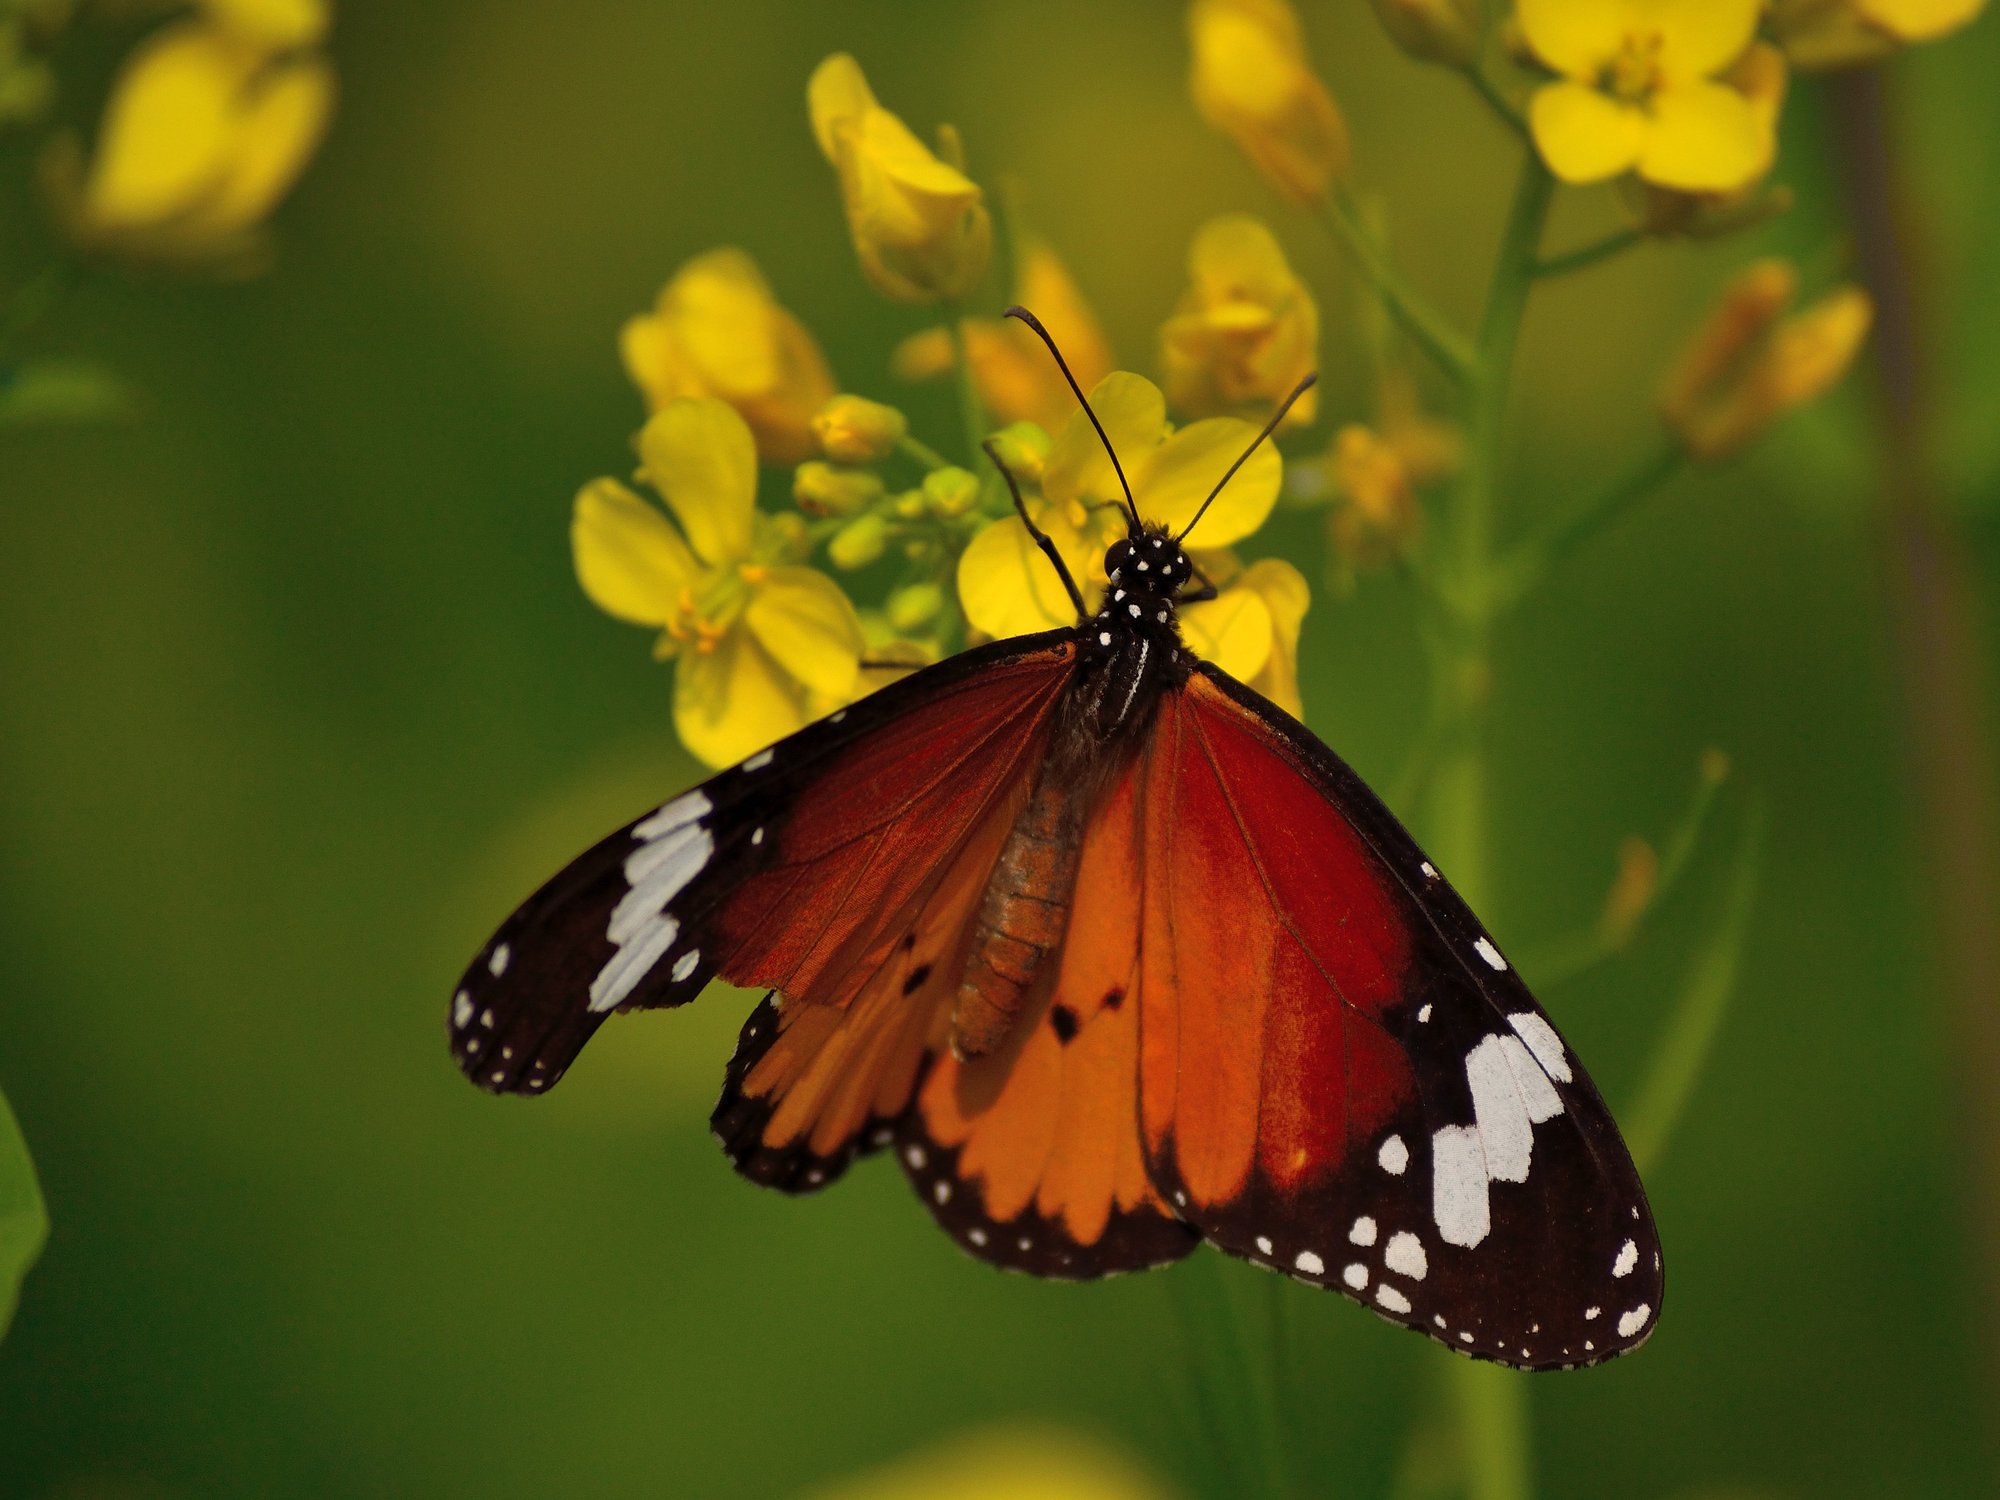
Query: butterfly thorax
[1129,653]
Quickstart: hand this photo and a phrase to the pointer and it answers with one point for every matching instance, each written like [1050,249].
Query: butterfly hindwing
[788,871]
[1341,1076]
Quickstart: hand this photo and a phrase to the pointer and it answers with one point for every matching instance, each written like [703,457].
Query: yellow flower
[1246,330]
[1749,364]
[1251,628]
[1005,583]
[1011,369]
[1251,80]
[716,331]
[762,646]
[919,224]
[1818,35]
[1761,77]
[855,430]
[206,130]
[276,24]
[1378,513]
[1639,91]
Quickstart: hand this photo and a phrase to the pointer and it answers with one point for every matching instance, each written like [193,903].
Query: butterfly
[1117,957]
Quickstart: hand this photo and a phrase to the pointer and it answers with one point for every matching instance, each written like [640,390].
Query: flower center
[1634,74]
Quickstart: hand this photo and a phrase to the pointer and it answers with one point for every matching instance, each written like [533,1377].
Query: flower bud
[1440,31]
[855,430]
[1023,449]
[914,606]
[1748,364]
[1251,80]
[859,542]
[1379,511]
[1246,330]
[951,492]
[1821,35]
[823,489]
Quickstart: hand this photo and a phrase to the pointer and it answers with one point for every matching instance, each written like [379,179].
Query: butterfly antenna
[1131,505]
[1269,427]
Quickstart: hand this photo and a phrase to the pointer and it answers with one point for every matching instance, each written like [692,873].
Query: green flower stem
[1555,541]
[1698,1012]
[1484,86]
[1490,1403]
[971,410]
[1427,327]
[1588,255]
[921,453]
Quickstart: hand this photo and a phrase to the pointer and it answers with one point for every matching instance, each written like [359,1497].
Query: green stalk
[1490,1402]
[1588,255]
[1426,327]
[971,410]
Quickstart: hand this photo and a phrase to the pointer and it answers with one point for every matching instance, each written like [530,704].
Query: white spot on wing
[1404,1255]
[1394,1156]
[1505,1130]
[1485,949]
[1430,871]
[496,963]
[685,964]
[1355,1275]
[1263,1245]
[1424,1014]
[914,1155]
[1590,1314]
[1363,1232]
[942,1191]
[1307,1261]
[1545,1044]
[1390,1298]
[758,761]
[1628,1257]
[676,814]
[1458,1186]
[461,1008]
[1634,1320]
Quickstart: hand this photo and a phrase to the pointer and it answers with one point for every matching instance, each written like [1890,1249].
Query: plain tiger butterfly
[1116,957]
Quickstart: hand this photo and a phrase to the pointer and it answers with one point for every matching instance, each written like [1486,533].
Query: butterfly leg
[1200,595]
[1041,537]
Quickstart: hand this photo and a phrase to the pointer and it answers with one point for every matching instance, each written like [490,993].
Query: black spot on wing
[1062,1020]
[1029,1242]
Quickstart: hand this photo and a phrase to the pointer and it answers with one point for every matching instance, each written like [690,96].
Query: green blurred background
[298,695]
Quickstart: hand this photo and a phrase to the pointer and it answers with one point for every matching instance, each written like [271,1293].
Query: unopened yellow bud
[1632,891]
[855,430]
[1820,35]
[951,492]
[1251,80]
[914,606]
[1023,450]
[1440,31]
[1748,364]
[859,542]
[823,489]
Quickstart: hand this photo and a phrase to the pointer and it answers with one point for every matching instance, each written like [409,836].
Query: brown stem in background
[1940,649]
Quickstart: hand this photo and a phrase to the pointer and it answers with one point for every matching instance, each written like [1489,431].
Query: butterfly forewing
[1389,1114]
[786,870]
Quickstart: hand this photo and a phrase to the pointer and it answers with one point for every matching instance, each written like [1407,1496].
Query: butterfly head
[1149,563]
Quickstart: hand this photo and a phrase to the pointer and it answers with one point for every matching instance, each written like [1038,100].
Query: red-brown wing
[1030,1156]
[1340,1075]
[798,869]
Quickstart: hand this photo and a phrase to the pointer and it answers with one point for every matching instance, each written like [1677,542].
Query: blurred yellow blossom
[1639,92]
[1761,77]
[1005,583]
[1821,34]
[1444,31]
[855,430]
[1251,628]
[1251,80]
[1246,330]
[919,224]
[1002,1464]
[1011,369]
[1376,513]
[761,646]
[275,24]
[715,330]
[1749,363]
[208,126]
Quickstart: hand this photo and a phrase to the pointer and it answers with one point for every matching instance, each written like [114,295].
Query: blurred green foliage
[298,695]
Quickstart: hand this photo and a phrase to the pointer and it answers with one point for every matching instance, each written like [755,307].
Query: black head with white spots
[1150,563]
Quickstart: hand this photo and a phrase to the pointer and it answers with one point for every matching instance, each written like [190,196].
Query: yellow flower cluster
[762,640]
[210,122]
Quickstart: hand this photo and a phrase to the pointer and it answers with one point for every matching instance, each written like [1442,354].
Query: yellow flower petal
[1920,20]
[1706,137]
[1234,632]
[1176,477]
[837,95]
[1251,79]
[630,562]
[275,24]
[1007,586]
[1134,414]
[279,127]
[731,699]
[1583,135]
[1245,332]
[1699,37]
[699,455]
[1285,593]
[1575,37]
[801,617]
[168,130]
